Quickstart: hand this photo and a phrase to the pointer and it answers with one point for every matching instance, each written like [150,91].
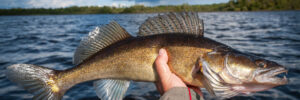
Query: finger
[159,87]
[161,64]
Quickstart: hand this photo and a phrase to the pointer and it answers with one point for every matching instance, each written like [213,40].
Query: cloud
[47,3]
[63,3]
[117,3]
[173,2]
[121,3]
[51,3]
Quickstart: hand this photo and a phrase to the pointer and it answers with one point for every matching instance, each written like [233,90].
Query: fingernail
[161,52]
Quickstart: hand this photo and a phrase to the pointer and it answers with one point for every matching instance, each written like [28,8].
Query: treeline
[68,10]
[232,5]
[110,10]
[257,5]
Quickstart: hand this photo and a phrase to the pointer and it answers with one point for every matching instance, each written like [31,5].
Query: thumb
[161,64]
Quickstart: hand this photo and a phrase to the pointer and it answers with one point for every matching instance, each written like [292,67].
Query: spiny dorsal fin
[182,23]
[98,39]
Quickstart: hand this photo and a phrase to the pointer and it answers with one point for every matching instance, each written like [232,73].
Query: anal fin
[110,89]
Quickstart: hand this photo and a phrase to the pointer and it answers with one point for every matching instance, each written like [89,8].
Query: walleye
[111,57]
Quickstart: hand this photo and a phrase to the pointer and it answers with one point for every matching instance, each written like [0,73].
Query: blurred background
[47,32]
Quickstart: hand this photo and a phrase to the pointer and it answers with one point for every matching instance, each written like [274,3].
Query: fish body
[133,58]
[111,57]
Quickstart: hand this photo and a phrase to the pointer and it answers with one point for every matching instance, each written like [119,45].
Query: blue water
[50,41]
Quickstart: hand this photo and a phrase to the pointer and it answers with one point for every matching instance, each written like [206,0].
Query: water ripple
[50,40]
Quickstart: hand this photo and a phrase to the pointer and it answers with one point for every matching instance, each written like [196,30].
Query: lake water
[50,41]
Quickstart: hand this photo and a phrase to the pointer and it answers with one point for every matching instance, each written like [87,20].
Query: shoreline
[230,6]
[147,13]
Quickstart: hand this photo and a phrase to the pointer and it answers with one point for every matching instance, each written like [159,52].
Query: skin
[167,79]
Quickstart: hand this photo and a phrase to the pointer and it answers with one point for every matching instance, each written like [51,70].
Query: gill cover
[212,65]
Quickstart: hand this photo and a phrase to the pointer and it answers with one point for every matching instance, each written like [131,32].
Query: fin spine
[111,89]
[173,23]
[98,39]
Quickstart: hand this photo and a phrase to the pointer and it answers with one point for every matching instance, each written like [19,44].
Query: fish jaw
[271,76]
[247,88]
[266,79]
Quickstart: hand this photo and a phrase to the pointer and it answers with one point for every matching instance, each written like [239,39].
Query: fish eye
[261,63]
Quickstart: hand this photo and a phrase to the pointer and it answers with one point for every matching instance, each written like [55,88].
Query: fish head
[233,72]
[249,73]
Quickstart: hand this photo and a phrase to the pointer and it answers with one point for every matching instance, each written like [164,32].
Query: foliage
[232,5]
[258,5]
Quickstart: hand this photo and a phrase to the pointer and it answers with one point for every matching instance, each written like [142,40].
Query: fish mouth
[266,79]
[274,76]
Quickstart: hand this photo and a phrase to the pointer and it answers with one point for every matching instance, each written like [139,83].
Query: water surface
[50,41]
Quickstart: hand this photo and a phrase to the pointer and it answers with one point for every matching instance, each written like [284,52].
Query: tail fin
[40,81]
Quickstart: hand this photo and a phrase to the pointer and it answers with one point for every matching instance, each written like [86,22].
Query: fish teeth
[284,78]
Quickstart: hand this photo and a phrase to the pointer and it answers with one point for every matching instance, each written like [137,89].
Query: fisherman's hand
[167,79]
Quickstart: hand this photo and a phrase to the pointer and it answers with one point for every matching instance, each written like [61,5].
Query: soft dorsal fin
[98,39]
[177,23]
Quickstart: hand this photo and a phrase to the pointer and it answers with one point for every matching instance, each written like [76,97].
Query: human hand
[167,79]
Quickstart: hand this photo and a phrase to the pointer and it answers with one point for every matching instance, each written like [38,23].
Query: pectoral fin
[109,89]
[198,74]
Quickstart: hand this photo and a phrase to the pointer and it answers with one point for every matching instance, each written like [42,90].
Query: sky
[6,4]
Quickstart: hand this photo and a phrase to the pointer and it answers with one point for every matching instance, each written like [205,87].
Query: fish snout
[273,76]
